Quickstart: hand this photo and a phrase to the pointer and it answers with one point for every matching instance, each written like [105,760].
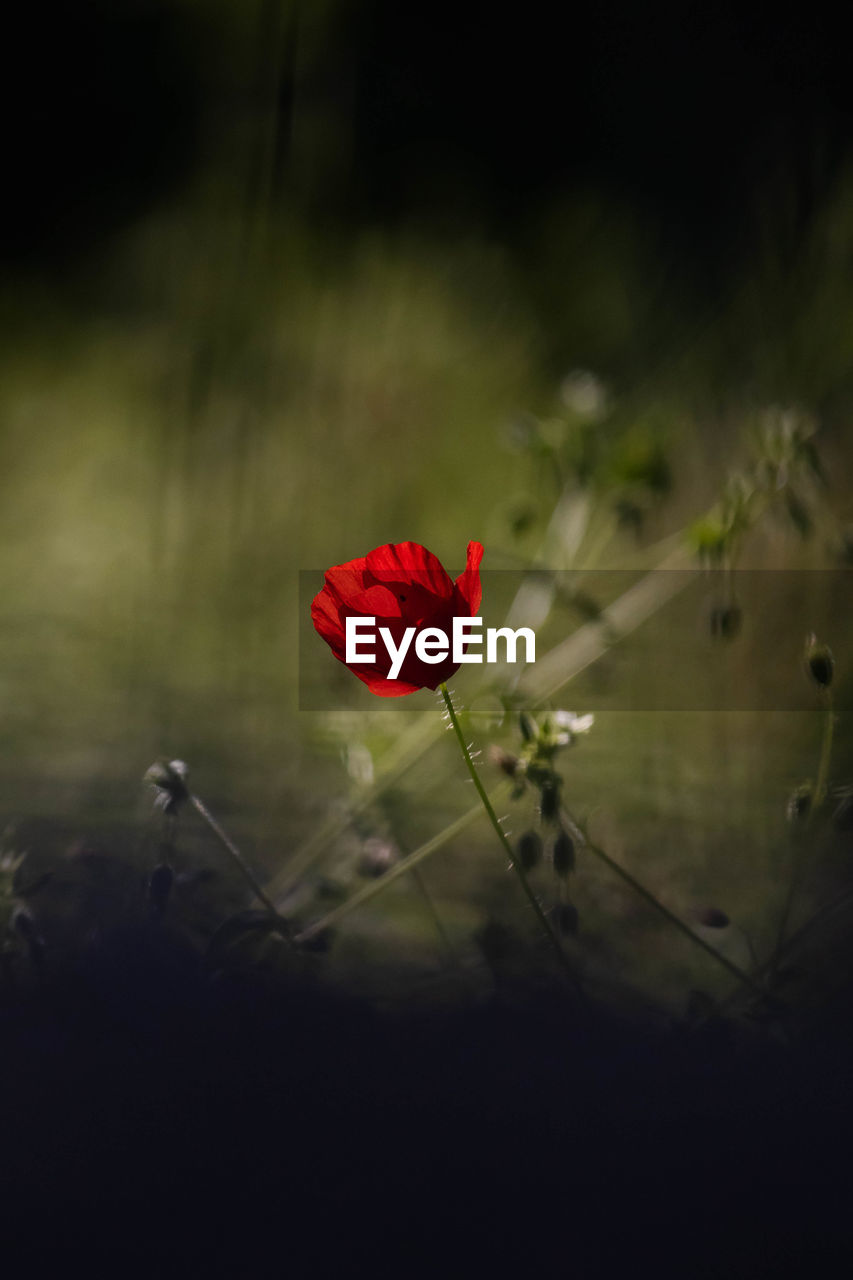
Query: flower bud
[563,854]
[529,850]
[820,662]
[168,778]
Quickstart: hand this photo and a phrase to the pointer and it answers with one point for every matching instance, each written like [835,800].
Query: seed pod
[549,799]
[495,941]
[820,662]
[568,920]
[529,850]
[563,854]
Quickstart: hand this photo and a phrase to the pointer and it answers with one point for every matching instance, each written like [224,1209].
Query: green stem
[438,924]
[401,868]
[227,843]
[650,898]
[543,920]
[825,753]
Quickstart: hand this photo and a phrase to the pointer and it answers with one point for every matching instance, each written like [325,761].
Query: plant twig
[646,894]
[544,923]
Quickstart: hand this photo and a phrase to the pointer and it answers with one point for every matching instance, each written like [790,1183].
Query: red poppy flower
[400,587]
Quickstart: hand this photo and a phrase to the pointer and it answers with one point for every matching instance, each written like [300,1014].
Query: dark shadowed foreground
[152,1118]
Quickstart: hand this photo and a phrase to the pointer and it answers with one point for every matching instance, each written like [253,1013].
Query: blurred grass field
[215,400]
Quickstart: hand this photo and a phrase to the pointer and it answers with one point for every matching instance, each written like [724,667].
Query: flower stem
[649,897]
[543,920]
[825,753]
[401,868]
[227,843]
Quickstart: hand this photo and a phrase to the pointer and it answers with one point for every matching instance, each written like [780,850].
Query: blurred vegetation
[229,387]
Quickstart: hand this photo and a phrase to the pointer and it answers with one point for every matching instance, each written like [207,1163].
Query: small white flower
[584,394]
[359,763]
[571,725]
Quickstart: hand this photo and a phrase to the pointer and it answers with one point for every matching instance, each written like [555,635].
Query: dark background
[452,114]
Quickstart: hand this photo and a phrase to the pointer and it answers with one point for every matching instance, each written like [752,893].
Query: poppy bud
[820,662]
[563,854]
[529,850]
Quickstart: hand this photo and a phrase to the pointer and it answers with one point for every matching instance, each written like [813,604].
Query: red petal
[327,619]
[371,586]
[346,583]
[468,582]
[410,562]
[383,687]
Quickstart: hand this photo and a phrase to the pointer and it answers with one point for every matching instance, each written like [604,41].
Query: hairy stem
[544,923]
